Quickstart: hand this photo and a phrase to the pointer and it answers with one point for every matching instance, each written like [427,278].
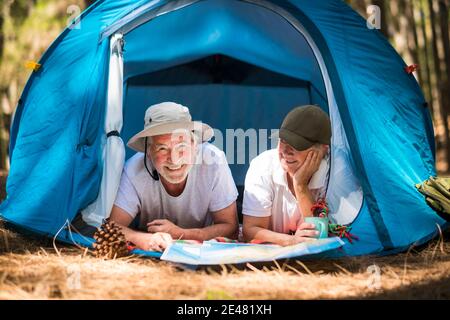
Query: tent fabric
[58,133]
[113,148]
[188,43]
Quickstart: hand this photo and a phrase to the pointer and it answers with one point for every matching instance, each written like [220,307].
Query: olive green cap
[305,126]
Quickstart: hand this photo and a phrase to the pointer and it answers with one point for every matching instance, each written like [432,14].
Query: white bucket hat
[168,117]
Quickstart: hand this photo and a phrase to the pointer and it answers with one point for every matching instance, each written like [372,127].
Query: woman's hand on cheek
[303,174]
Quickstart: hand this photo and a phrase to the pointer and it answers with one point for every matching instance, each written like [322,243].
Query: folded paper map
[213,252]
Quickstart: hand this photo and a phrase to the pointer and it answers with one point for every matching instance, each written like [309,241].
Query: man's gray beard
[178,180]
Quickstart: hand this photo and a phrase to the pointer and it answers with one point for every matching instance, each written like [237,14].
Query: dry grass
[32,269]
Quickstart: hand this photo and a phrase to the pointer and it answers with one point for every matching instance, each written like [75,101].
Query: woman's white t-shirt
[267,193]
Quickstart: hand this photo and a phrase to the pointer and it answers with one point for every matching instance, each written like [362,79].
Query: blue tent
[237,64]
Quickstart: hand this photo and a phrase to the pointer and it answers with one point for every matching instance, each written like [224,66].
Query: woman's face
[291,159]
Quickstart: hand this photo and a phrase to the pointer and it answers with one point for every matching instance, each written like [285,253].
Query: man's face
[173,155]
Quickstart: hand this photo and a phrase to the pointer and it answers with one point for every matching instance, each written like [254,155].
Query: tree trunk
[88,2]
[440,89]
[427,63]
[2,39]
[3,141]
[393,26]
[384,24]
[413,39]
[359,6]
[443,17]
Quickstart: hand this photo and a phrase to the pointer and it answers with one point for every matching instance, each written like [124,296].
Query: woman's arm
[257,228]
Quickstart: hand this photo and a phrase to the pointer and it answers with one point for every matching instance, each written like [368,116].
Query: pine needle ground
[31,268]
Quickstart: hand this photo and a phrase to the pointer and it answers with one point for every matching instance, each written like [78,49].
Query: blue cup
[321,225]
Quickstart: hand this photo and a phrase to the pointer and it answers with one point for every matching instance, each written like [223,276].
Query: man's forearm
[130,234]
[216,230]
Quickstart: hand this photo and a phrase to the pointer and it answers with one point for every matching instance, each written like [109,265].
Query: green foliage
[29,28]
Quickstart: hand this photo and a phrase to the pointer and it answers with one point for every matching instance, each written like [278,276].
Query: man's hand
[307,169]
[153,241]
[164,225]
[305,232]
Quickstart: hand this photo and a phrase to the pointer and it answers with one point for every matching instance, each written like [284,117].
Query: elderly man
[180,186]
[282,184]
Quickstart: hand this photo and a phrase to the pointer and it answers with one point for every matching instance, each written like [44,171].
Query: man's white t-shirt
[267,193]
[209,188]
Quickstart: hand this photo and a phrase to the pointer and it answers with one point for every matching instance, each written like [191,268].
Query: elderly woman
[283,184]
[173,185]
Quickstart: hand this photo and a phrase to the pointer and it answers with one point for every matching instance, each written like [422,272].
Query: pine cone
[110,242]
